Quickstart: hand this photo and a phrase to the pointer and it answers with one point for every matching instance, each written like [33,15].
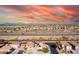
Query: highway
[39,34]
[44,41]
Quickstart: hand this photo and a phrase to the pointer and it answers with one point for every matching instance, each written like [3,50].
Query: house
[76,45]
[66,46]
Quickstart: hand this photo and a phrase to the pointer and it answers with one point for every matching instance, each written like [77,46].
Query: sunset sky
[39,13]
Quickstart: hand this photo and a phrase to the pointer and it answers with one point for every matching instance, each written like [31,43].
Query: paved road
[38,34]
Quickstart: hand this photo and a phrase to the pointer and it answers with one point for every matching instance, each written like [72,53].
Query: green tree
[45,50]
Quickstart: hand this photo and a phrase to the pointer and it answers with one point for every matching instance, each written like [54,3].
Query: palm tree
[58,43]
[15,38]
[41,38]
[1,40]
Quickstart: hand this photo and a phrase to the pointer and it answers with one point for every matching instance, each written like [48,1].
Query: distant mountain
[14,24]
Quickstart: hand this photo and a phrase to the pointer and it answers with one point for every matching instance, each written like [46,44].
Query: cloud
[42,13]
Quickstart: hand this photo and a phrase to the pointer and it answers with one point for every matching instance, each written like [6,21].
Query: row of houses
[70,46]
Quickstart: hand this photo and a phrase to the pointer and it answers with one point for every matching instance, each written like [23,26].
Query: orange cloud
[44,12]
